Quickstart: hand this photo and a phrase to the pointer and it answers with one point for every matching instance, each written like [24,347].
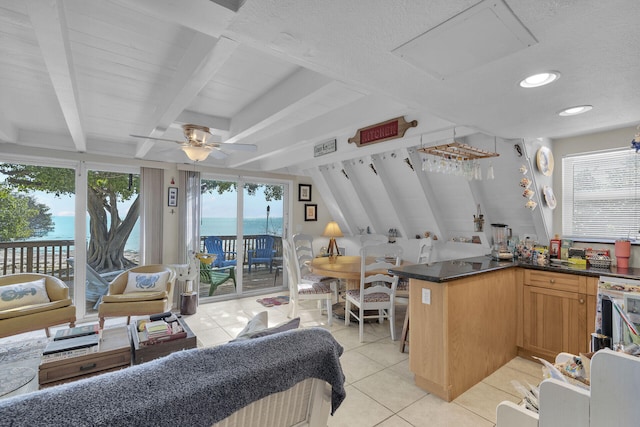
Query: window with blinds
[600,195]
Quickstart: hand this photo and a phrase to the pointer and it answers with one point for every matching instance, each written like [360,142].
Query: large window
[600,197]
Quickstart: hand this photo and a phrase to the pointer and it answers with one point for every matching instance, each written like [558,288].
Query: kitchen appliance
[618,310]
[500,245]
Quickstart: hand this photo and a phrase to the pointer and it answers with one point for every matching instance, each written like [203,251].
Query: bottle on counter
[564,248]
[554,247]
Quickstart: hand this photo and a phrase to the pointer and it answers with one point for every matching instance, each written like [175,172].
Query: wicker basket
[599,261]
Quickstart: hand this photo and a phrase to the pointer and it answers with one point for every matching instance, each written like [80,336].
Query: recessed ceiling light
[540,79]
[578,109]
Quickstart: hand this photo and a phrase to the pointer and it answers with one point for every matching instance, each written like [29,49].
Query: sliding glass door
[249,225]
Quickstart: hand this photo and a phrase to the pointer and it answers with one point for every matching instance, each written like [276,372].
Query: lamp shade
[197,153]
[332,230]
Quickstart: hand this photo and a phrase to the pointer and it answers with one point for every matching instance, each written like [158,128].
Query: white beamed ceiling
[82,75]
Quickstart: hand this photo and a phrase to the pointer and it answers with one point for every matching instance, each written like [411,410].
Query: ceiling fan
[200,143]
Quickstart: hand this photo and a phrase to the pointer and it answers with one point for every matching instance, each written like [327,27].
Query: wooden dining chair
[377,287]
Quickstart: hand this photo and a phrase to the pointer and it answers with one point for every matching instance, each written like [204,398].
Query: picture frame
[310,212]
[172,200]
[304,192]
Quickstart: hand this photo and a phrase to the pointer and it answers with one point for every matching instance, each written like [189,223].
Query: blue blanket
[195,387]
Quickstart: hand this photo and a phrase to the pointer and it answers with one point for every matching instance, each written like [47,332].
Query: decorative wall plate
[549,197]
[544,160]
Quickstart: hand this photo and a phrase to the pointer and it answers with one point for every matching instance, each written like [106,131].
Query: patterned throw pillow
[147,282]
[21,294]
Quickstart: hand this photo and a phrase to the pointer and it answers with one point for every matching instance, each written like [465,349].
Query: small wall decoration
[391,129]
[310,212]
[544,160]
[173,197]
[304,192]
[324,148]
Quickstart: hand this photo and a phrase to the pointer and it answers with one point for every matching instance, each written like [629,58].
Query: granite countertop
[445,271]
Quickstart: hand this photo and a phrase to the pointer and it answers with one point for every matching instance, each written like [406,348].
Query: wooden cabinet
[558,313]
[461,331]
[114,354]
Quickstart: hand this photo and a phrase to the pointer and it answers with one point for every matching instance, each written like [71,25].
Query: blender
[500,247]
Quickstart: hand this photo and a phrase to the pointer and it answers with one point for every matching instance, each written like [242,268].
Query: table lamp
[332,230]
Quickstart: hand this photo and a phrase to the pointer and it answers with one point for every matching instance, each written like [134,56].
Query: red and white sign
[391,129]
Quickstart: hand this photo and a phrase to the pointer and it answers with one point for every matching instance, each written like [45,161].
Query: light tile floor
[379,384]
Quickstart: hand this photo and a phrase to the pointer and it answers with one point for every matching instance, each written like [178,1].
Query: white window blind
[600,195]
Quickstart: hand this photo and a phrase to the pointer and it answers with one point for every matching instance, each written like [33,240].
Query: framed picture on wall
[304,192]
[173,197]
[310,212]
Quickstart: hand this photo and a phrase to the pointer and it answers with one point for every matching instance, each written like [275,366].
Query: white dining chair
[425,249]
[302,248]
[373,239]
[377,287]
[303,289]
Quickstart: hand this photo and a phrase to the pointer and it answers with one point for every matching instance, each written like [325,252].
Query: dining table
[343,267]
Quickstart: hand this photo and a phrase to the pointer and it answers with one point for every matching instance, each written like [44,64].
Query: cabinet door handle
[581,300]
[552,280]
[87,367]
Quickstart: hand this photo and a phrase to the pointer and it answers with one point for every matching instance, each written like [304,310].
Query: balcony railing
[229,244]
[38,256]
[50,256]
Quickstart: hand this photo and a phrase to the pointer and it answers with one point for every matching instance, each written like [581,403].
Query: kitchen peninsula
[468,317]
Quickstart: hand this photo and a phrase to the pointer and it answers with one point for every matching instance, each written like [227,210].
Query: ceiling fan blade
[216,153]
[239,147]
[157,139]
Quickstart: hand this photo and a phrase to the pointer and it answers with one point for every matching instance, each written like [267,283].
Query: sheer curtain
[151,215]
[189,208]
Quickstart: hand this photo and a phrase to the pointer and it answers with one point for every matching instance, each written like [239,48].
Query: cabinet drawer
[559,281]
[84,366]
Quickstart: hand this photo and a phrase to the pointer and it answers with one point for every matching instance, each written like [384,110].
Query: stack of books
[158,331]
[72,342]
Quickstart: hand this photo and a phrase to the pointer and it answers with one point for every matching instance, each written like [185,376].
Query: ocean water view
[64,229]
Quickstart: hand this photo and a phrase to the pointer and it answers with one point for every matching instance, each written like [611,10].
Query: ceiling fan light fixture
[197,153]
[540,79]
[197,134]
[578,109]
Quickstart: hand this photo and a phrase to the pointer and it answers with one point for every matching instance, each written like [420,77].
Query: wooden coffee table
[144,353]
[114,353]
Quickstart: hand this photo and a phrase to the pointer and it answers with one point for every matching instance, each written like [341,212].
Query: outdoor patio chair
[97,283]
[219,276]
[214,276]
[213,245]
[263,252]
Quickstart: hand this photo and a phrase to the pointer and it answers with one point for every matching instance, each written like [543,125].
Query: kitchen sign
[391,129]
[324,148]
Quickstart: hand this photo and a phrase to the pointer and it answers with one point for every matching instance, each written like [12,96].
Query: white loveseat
[292,378]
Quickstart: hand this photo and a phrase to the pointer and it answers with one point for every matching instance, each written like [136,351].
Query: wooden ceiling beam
[202,60]
[50,26]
